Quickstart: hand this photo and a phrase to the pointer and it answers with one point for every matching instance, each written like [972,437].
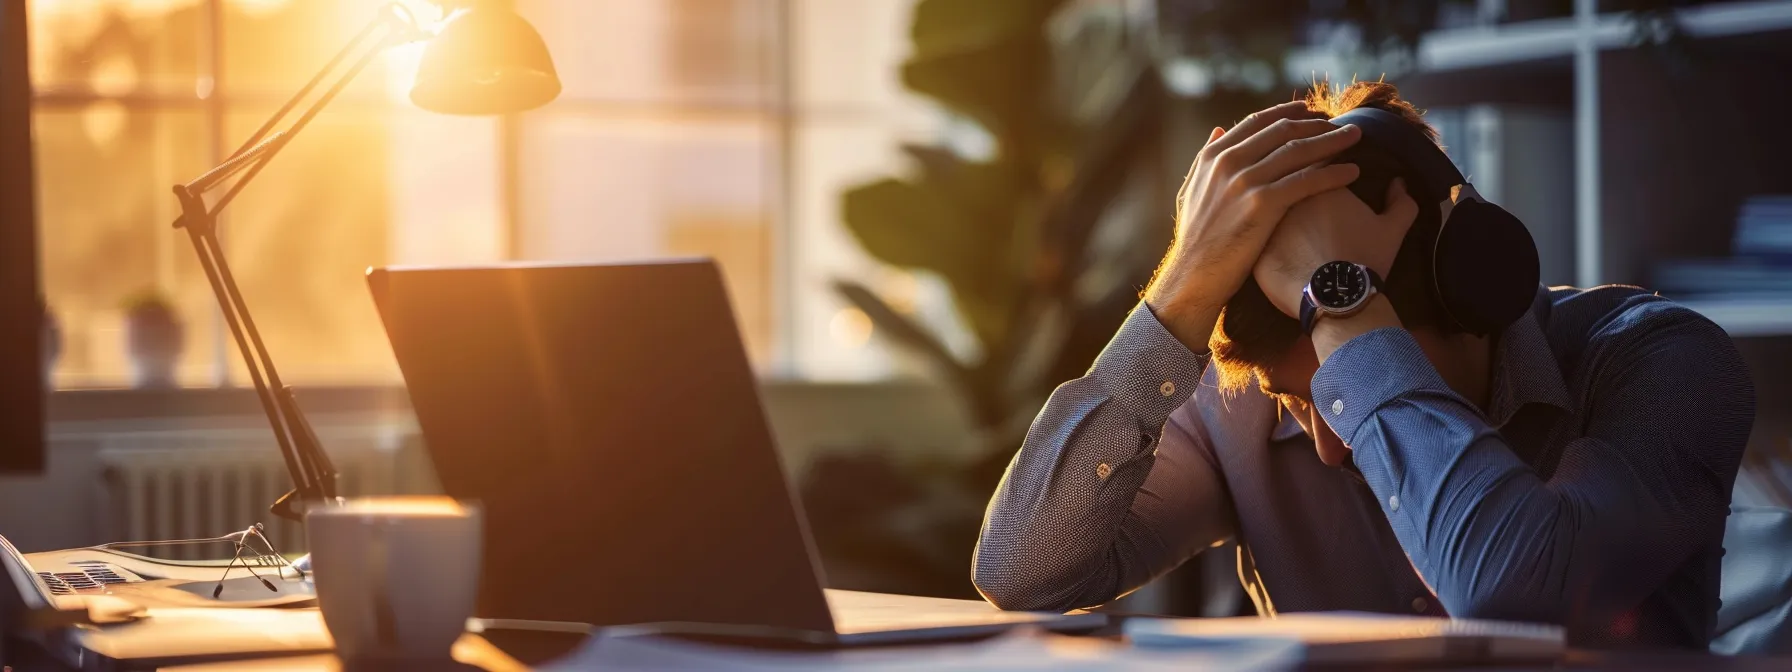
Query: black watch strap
[1307,312]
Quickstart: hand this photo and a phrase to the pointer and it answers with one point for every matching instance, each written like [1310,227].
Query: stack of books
[1761,263]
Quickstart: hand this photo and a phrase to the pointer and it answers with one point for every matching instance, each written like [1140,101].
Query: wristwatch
[1337,289]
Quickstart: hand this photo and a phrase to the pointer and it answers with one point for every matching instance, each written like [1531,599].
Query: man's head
[1255,343]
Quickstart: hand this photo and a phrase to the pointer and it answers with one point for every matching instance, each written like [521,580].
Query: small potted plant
[154,338]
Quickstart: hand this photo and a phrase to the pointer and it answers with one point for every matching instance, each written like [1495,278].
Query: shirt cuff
[1147,370]
[1366,373]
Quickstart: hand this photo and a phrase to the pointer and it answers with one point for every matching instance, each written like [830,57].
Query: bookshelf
[1661,160]
[1543,39]
[1661,153]
[1747,317]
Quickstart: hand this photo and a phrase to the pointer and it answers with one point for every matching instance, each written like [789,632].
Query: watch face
[1339,285]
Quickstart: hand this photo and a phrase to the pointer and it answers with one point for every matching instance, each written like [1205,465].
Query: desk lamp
[484,60]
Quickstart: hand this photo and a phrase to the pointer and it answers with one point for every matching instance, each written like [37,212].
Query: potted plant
[154,339]
[1077,123]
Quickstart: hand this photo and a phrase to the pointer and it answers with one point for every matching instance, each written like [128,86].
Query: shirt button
[1337,407]
[1420,604]
[1168,388]
[1393,502]
[1103,470]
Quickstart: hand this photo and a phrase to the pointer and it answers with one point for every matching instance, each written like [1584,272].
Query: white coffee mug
[396,577]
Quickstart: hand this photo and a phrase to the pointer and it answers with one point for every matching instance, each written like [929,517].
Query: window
[686,127]
[685,141]
[132,97]
[662,143]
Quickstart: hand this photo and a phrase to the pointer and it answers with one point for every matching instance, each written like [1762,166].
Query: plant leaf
[907,224]
[943,26]
[1001,86]
[921,226]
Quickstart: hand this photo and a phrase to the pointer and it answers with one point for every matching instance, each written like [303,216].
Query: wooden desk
[302,630]
[509,653]
[478,653]
[472,651]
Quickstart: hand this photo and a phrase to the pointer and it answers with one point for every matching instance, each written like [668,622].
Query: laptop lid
[608,422]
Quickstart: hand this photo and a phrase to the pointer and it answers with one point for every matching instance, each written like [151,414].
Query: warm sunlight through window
[672,137]
[121,117]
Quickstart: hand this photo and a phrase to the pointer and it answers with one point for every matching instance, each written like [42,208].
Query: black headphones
[1484,262]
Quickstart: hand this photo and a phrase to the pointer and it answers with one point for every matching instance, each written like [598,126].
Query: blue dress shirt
[1591,493]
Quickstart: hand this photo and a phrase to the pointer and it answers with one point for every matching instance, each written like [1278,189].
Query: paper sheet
[1025,649]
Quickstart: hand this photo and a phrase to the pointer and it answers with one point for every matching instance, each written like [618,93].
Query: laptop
[608,422]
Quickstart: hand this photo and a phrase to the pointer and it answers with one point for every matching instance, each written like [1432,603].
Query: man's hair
[1252,333]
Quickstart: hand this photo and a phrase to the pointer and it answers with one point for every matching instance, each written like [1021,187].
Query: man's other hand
[1331,226]
[1240,186]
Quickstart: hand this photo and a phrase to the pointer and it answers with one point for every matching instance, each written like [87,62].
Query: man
[1573,468]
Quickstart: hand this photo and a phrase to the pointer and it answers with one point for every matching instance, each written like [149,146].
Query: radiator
[207,483]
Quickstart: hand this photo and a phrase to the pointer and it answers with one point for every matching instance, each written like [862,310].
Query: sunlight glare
[401,69]
[259,8]
[114,75]
[902,290]
[103,121]
[850,327]
[394,505]
[401,61]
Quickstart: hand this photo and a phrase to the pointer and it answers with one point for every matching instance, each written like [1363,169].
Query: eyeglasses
[238,539]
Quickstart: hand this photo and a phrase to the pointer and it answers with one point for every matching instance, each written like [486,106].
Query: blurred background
[929,213]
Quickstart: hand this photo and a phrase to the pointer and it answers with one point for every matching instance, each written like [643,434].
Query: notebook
[1356,637]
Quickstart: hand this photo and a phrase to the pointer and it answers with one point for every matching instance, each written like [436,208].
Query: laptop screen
[607,420]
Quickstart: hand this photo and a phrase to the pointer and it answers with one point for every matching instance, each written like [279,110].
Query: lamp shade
[486,60]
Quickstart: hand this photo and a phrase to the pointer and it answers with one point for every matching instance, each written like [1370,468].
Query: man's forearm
[1185,305]
[1047,533]
[1060,532]
[1331,333]
[1639,492]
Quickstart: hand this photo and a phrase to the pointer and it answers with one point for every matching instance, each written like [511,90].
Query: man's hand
[1240,185]
[1332,226]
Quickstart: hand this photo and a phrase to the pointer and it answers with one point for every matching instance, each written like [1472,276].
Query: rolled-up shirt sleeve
[1645,487]
[1107,491]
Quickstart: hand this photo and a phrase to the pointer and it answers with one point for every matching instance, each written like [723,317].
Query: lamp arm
[290,426]
[403,29]
[199,225]
[392,15]
[307,464]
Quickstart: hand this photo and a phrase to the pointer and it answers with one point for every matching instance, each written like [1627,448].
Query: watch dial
[1339,285]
